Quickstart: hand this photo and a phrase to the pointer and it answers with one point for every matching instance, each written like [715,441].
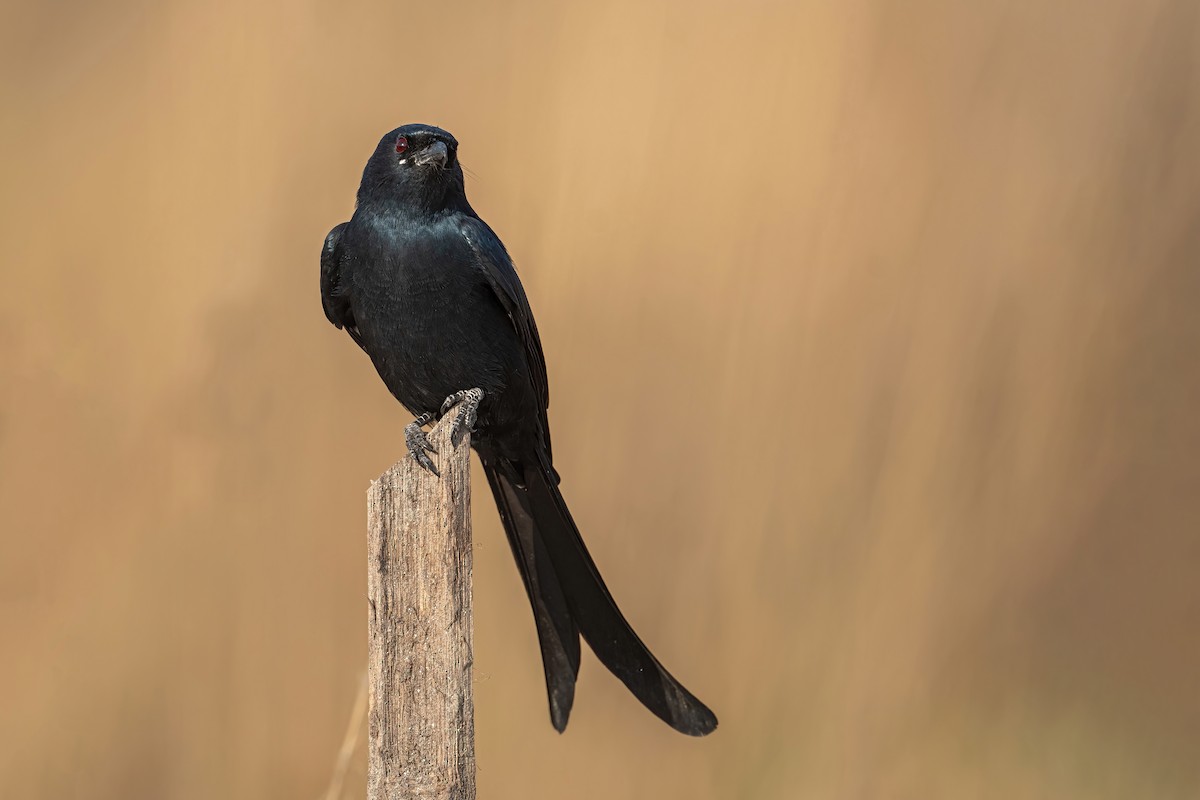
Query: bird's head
[415,166]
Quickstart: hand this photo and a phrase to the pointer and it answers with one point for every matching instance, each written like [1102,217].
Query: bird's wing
[334,297]
[493,259]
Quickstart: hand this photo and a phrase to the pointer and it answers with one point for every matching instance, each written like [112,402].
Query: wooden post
[421,713]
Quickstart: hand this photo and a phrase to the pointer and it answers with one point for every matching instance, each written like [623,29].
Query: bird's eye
[401,144]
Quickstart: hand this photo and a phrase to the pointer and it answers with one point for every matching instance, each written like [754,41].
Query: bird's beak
[436,153]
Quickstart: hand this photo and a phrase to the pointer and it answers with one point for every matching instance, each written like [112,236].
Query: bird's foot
[418,442]
[468,402]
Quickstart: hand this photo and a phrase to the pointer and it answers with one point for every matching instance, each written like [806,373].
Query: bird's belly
[431,337]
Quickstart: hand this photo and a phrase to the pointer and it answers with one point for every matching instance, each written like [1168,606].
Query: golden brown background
[874,350]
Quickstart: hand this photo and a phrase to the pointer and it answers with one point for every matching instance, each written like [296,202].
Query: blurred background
[875,369]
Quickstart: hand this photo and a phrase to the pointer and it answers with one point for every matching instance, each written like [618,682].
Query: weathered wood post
[421,740]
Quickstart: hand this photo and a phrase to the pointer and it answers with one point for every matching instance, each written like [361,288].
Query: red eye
[401,144]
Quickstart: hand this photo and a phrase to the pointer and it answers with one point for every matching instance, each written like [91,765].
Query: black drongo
[425,287]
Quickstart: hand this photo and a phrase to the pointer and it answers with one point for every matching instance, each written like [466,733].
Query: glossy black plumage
[426,288]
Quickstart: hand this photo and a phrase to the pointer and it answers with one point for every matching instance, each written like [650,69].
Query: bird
[427,289]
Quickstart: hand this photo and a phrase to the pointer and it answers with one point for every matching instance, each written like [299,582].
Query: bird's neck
[413,206]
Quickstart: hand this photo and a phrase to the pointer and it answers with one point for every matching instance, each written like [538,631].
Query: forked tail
[569,598]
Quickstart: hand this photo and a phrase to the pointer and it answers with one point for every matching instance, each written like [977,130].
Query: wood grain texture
[421,717]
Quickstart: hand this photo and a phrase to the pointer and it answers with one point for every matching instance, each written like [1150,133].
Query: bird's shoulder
[332,285]
[488,255]
[335,295]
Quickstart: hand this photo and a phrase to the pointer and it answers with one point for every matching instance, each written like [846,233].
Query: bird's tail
[569,598]
[557,634]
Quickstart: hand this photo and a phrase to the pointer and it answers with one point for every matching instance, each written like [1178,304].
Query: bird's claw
[468,402]
[418,443]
